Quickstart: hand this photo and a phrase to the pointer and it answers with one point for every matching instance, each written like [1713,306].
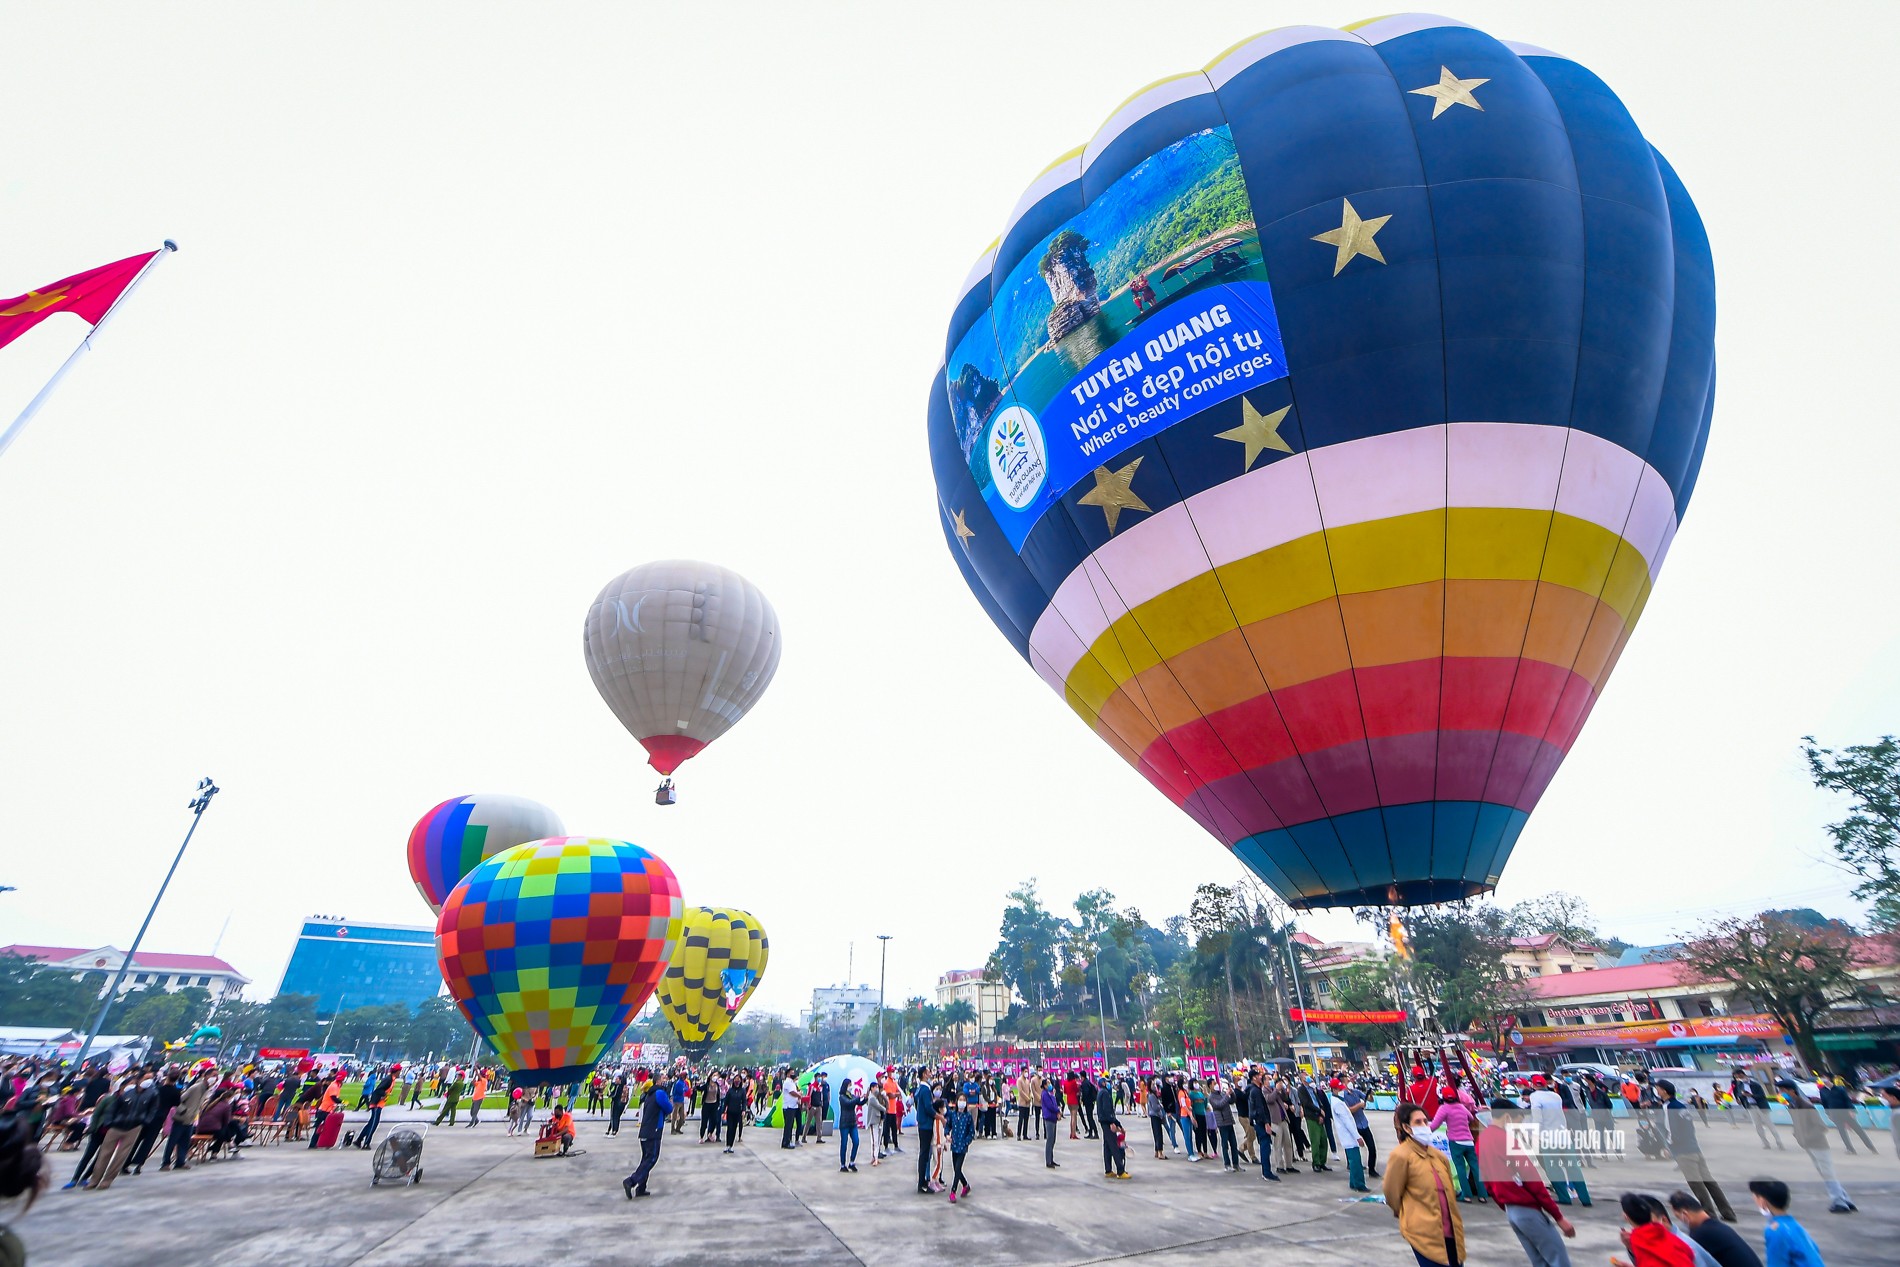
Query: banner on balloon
[1144,308]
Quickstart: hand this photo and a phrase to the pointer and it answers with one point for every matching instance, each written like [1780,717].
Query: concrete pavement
[485,1201]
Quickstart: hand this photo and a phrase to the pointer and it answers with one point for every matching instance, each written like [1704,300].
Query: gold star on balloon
[1257,431]
[34,301]
[1114,493]
[1353,237]
[961,529]
[1451,91]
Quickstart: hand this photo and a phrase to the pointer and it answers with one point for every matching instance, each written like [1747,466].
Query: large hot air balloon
[718,963]
[680,651]
[447,842]
[1318,430]
[549,948]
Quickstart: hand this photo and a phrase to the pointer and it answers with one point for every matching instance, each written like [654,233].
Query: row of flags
[92,296]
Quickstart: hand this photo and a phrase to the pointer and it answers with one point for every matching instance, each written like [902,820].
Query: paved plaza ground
[485,1202]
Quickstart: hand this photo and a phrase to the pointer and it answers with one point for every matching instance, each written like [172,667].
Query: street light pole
[883,944]
[1101,1008]
[1300,994]
[199,802]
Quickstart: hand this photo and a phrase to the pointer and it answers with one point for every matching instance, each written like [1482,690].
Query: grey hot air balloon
[680,650]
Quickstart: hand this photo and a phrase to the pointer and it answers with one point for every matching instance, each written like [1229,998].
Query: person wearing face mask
[1649,1238]
[1513,1181]
[1787,1243]
[961,1127]
[1157,1113]
[105,1112]
[1722,1243]
[1051,1114]
[850,1099]
[926,1104]
[137,1102]
[1810,1132]
[1114,1137]
[166,1093]
[1418,1188]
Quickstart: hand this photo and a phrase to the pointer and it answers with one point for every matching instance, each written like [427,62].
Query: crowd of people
[1449,1143]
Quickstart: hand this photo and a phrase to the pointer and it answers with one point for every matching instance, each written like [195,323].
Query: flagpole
[85,345]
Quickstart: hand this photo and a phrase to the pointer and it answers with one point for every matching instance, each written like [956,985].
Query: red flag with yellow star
[88,295]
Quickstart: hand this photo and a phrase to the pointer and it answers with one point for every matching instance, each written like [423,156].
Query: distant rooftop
[149,959]
[1641,976]
[1540,940]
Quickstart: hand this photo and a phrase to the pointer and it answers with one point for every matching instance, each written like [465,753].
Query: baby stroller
[398,1157]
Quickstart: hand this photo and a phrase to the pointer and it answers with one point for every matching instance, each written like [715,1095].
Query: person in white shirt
[1556,1151]
[1346,1134]
[789,1103]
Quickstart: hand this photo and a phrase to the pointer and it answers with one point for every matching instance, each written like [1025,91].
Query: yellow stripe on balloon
[1485,544]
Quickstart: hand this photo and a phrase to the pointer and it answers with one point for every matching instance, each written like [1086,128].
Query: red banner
[1320,1016]
[281,1053]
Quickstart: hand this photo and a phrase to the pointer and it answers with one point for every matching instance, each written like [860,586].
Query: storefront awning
[1848,1042]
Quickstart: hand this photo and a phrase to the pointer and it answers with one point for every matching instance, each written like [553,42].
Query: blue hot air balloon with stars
[1318,429]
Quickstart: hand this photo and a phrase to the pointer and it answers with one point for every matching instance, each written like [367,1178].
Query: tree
[1237,955]
[1793,972]
[166,1015]
[34,995]
[1558,914]
[1368,987]
[438,1027]
[1182,1009]
[1867,841]
[1458,954]
[1027,949]
[958,1014]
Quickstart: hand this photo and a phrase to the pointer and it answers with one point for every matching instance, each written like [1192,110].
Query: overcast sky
[472,313]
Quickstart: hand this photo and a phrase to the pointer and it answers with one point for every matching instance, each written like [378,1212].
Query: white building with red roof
[150,968]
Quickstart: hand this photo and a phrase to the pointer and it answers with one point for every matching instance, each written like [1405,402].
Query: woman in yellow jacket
[1420,1189]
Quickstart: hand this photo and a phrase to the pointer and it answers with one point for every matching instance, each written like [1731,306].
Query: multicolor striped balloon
[447,842]
[1318,431]
[549,948]
[715,969]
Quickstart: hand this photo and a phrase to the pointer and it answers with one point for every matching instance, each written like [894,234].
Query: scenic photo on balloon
[450,839]
[1318,430]
[717,965]
[550,947]
[680,651]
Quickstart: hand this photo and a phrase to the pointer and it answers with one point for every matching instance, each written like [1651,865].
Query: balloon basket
[663,795]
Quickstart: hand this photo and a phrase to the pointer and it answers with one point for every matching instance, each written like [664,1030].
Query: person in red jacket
[1512,1179]
[1423,1091]
[1649,1239]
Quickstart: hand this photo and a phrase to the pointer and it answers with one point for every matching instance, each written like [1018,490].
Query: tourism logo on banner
[1016,465]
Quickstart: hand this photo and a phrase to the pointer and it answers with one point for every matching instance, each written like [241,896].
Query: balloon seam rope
[1444,588]
[1187,511]
[1265,682]
[1622,541]
[1556,492]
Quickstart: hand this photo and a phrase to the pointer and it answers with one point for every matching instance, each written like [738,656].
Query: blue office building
[349,965]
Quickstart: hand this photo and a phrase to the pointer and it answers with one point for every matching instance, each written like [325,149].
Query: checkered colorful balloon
[549,948]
